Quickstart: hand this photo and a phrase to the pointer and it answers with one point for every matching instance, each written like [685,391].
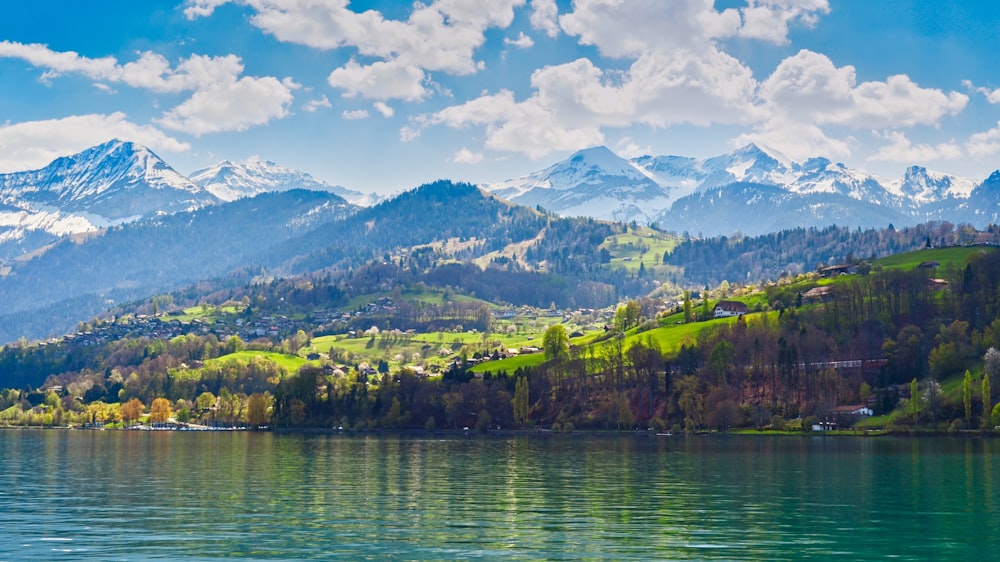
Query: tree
[556,343]
[520,401]
[258,406]
[159,411]
[627,316]
[987,400]
[914,398]
[967,396]
[688,313]
[131,410]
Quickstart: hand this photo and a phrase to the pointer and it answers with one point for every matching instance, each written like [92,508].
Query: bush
[957,424]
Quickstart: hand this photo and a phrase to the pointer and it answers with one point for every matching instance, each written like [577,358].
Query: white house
[726,309]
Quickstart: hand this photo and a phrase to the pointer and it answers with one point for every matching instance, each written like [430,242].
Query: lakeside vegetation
[406,344]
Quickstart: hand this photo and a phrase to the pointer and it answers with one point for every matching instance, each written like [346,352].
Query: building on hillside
[725,309]
[847,416]
[836,270]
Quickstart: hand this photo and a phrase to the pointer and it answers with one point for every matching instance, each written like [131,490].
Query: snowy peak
[105,185]
[234,180]
[594,182]
[923,186]
[116,180]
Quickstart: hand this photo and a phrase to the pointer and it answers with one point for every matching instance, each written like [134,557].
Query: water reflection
[150,495]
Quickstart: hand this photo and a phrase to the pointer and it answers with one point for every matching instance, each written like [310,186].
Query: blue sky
[381,95]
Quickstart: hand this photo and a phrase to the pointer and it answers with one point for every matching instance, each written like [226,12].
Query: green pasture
[955,255]
[290,363]
[642,246]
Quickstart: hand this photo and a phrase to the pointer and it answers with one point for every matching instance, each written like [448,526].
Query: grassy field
[291,363]
[642,246]
[956,255]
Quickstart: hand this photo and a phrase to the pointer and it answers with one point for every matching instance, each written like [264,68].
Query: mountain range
[116,222]
[711,196]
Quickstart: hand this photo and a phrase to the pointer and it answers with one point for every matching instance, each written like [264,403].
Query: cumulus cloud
[796,140]
[522,41]
[355,114]
[901,149]
[991,95]
[466,156]
[231,105]
[380,80]
[313,106]
[808,86]
[986,143]
[545,16]
[629,29]
[573,102]
[440,36]
[384,109]
[33,144]
[221,100]
[807,97]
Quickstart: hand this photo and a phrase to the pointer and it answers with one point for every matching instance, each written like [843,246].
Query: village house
[725,309]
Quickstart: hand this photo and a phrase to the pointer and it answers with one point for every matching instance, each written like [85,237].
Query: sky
[381,96]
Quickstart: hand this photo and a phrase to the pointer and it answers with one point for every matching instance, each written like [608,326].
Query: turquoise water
[78,495]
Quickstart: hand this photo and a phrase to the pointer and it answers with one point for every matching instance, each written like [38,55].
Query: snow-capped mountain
[677,191]
[595,182]
[233,180]
[109,184]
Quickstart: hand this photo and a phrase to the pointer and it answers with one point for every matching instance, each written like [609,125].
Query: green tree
[556,343]
[987,400]
[520,401]
[967,396]
[258,409]
[914,398]
[627,316]
[688,312]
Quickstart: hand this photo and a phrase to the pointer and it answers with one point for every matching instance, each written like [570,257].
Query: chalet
[856,410]
[847,416]
[818,294]
[727,309]
[835,270]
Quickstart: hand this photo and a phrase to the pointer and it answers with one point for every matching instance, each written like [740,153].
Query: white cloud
[636,27]
[986,143]
[33,144]
[992,96]
[202,8]
[221,100]
[355,114]
[440,36]
[522,41]
[231,105]
[796,140]
[768,20]
[809,87]
[384,109]
[901,149]
[466,156]
[629,149]
[313,106]
[380,80]
[545,16]
[573,102]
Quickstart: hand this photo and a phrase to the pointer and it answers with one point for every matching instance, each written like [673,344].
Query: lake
[129,495]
